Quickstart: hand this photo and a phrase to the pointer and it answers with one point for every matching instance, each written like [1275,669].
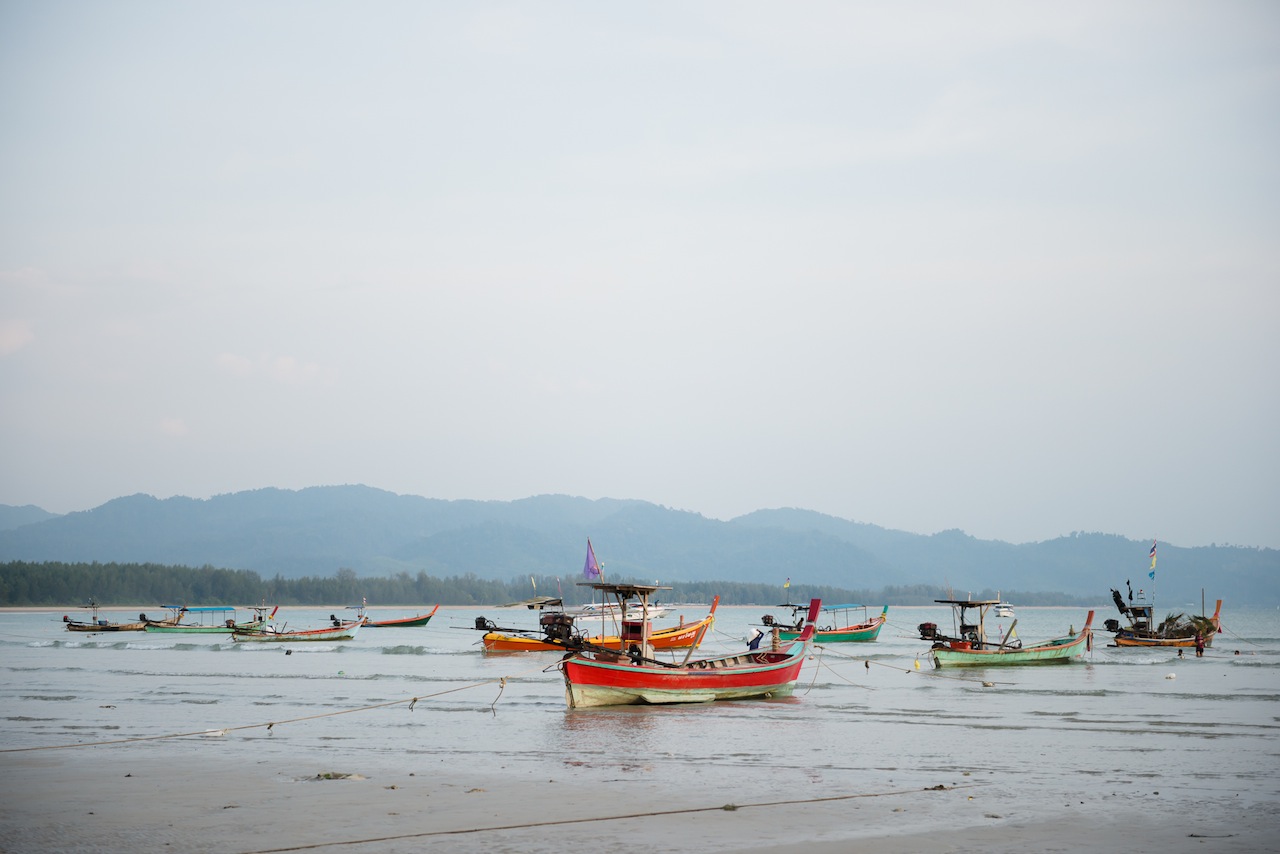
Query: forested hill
[317,531]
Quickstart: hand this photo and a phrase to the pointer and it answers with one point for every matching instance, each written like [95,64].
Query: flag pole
[1152,576]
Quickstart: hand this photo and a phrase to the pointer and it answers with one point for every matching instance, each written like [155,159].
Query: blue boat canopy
[198,610]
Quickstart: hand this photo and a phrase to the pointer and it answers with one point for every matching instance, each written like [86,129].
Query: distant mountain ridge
[15,517]
[316,531]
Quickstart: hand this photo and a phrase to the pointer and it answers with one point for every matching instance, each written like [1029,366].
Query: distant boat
[1002,608]
[403,622]
[629,674]
[595,612]
[840,624]
[970,647]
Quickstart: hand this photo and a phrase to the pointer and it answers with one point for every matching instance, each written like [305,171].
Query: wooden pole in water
[1008,633]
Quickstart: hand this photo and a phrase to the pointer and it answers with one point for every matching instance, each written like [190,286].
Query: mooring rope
[620,817]
[822,663]
[1237,637]
[933,674]
[501,682]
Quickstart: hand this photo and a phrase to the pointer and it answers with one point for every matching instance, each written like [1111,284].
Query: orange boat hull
[677,637]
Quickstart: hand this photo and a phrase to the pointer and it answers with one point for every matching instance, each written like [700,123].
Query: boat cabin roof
[967,603]
[536,603]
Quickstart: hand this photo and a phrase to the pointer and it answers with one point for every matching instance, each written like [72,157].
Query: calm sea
[1119,725]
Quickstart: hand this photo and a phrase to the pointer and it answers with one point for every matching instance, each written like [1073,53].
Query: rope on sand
[501,682]
[621,817]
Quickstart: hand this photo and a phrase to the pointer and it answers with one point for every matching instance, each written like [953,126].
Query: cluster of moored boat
[259,626]
[602,669]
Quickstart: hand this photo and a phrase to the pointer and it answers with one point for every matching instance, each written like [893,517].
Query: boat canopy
[537,603]
[627,591]
[841,607]
[205,609]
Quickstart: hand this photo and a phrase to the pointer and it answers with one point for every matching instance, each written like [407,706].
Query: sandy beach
[105,799]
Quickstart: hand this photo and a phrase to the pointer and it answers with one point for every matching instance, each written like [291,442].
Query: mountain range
[319,530]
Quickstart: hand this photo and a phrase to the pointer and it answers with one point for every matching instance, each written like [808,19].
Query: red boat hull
[600,679]
[403,622]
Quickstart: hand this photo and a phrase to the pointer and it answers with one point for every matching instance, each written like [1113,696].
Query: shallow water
[1120,729]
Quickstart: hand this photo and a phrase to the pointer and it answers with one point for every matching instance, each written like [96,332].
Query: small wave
[404,649]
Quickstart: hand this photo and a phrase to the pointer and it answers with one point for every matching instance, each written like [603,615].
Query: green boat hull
[848,634]
[202,630]
[1058,651]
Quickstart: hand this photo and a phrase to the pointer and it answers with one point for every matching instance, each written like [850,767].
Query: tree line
[57,584]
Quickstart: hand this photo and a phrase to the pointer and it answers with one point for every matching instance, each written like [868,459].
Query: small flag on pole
[590,569]
[1153,556]
[786,583]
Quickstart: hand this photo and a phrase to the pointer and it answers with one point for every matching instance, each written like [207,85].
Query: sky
[1012,269]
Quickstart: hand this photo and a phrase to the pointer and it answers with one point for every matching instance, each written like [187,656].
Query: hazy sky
[1008,268]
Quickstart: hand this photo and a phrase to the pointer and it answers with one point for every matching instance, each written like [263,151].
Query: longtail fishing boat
[339,630]
[1175,630]
[97,624]
[970,646]
[208,620]
[629,673]
[839,624]
[559,631]
[403,622]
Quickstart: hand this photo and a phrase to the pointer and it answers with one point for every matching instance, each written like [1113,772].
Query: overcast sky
[1007,268]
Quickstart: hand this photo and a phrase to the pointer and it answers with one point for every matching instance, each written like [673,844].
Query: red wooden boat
[629,674]
[403,622]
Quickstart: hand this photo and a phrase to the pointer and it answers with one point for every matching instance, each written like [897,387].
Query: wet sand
[106,800]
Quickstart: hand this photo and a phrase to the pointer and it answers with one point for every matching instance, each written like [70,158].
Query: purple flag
[590,569]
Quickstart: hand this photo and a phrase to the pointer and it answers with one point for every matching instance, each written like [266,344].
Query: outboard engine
[767,619]
[556,626]
[483,625]
[1112,625]
[928,631]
